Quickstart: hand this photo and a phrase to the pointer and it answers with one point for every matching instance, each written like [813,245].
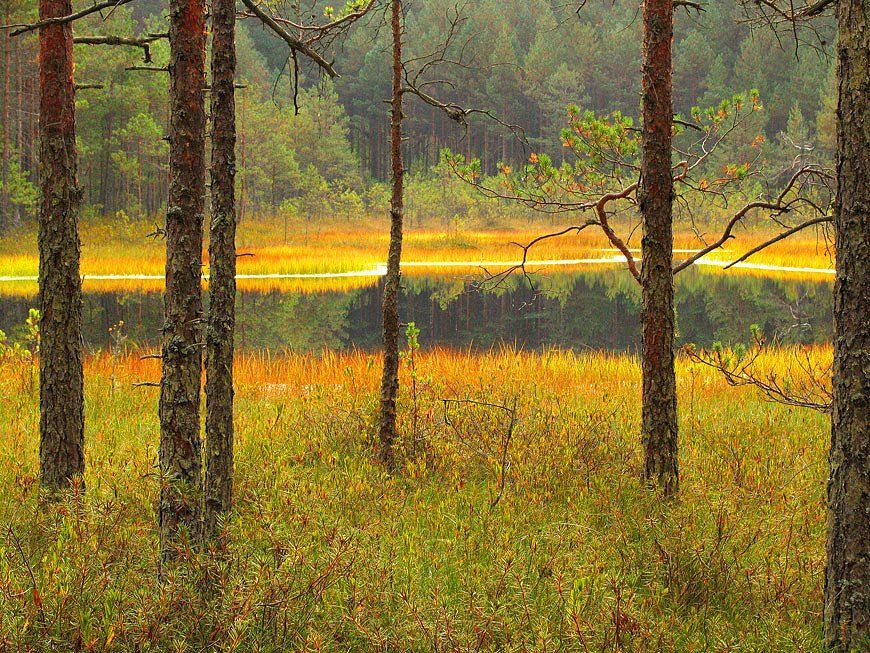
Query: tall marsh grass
[125,249]
[328,554]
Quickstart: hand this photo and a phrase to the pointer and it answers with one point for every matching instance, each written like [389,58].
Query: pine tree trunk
[847,577]
[222,259]
[390,378]
[180,462]
[4,163]
[61,382]
[656,197]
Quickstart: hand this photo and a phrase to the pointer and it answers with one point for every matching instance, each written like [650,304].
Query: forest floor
[544,540]
[114,250]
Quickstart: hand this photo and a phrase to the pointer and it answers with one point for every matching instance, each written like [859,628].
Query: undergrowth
[326,553]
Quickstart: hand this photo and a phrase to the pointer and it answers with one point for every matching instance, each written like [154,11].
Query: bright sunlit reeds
[360,248]
[335,554]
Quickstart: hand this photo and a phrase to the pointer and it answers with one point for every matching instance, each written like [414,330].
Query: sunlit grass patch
[339,248]
[327,553]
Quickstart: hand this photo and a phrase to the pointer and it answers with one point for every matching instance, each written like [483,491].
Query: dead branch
[781,204]
[809,223]
[143,43]
[795,14]
[502,456]
[34,585]
[494,280]
[786,16]
[294,43]
[415,73]
[62,20]
[806,392]
[153,69]
[351,17]
[689,5]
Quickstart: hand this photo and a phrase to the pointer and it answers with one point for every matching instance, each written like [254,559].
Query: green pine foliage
[323,154]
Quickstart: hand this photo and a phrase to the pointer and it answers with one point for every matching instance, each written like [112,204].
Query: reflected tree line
[599,310]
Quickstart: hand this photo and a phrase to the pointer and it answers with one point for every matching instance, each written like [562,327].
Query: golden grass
[361,247]
[328,554]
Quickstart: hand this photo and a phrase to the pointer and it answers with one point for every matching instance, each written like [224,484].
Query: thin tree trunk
[243,167]
[847,577]
[61,382]
[180,455]
[105,172]
[4,164]
[222,260]
[390,378]
[656,197]
[19,120]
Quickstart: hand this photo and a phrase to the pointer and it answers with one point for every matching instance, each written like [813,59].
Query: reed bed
[361,247]
[553,545]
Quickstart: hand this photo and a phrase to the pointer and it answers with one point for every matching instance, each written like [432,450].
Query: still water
[582,310]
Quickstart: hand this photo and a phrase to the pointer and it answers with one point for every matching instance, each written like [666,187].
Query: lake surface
[572,310]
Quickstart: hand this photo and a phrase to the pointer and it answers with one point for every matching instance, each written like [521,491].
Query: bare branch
[600,209]
[350,17]
[62,20]
[809,223]
[494,280]
[781,204]
[153,69]
[143,43]
[502,455]
[294,43]
[808,391]
[781,16]
[688,4]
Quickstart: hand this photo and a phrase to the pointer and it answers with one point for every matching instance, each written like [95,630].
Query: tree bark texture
[847,576]
[222,261]
[390,378]
[61,382]
[6,127]
[180,448]
[659,409]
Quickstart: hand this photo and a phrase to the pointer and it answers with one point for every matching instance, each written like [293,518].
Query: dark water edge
[590,310]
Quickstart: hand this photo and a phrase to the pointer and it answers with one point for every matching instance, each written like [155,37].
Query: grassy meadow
[543,540]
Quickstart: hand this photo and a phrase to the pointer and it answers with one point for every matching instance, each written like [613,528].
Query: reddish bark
[61,399]
[180,443]
[656,201]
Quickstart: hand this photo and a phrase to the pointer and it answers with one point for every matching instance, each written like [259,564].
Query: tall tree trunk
[847,577]
[390,378]
[4,163]
[61,381]
[656,197]
[180,455]
[243,163]
[222,259]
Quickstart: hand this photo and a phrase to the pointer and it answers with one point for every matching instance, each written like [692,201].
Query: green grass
[328,554]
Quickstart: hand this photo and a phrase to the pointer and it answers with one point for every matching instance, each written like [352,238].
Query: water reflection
[598,310]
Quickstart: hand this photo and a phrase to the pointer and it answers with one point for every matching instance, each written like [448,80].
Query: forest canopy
[312,147]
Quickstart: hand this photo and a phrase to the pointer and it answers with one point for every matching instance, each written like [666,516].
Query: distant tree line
[527,62]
